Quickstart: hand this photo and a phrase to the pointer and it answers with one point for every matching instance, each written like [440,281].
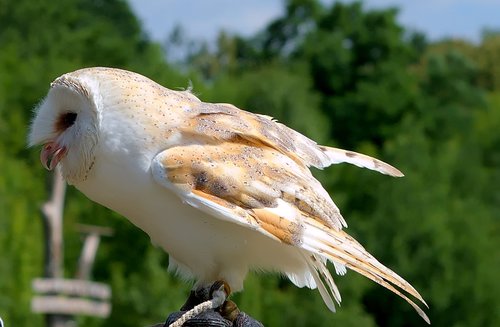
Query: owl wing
[224,121]
[234,173]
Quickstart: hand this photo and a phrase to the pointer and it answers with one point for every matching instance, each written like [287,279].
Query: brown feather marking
[218,201]
[383,282]
[221,121]
[223,171]
[246,215]
[251,177]
[285,230]
[364,262]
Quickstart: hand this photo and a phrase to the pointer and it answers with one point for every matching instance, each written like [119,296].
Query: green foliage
[358,61]
[21,258]
[340,74]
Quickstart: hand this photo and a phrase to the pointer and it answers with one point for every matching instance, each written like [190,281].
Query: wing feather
[225,121]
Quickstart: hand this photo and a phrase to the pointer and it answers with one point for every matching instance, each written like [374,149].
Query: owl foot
[226,314]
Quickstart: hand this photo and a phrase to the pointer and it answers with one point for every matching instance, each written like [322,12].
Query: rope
[217,300]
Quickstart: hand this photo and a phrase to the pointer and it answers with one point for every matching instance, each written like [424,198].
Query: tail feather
[321,275]
[302,279]
[383,282]
[340,269]
[338,246]
[361,160]
[323,291]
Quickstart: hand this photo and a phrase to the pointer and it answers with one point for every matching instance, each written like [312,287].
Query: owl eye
[66,120]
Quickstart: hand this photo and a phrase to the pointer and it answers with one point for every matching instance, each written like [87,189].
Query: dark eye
[66,120]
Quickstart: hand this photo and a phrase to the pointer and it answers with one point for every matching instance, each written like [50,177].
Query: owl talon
[219,285]
[229,314]
[229,310]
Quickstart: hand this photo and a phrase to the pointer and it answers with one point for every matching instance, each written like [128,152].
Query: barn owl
[223,191]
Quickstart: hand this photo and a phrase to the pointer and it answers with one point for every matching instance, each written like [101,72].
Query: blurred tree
[285,34]
[358,60]
[439,208]
[486,56]
[451,98]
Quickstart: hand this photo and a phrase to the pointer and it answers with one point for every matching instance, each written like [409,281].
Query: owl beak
[51,154]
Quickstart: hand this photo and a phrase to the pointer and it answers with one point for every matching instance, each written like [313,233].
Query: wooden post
[58,298]
[52,212]
[89,250]
[52,217]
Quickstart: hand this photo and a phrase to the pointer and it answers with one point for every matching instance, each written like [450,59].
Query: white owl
[222,190]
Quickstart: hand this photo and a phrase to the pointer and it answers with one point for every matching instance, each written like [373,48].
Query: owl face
[67,125]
